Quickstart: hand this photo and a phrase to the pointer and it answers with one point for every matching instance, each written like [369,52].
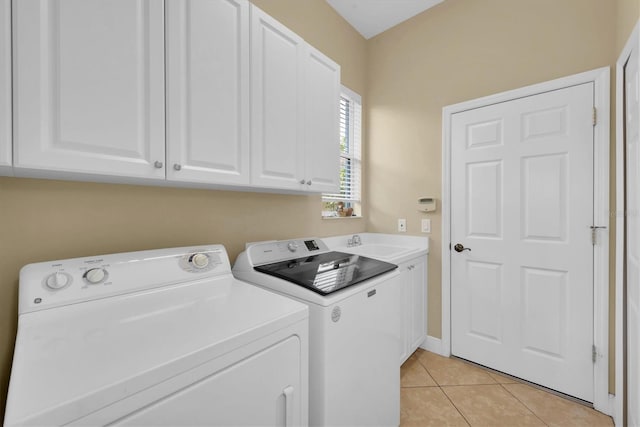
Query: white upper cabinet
[322,103]
[89,86]
[295,95]
[5,87]
[208,91]
[277,122]
[248,103]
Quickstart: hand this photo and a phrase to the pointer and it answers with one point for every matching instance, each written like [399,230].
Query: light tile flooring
[440,391]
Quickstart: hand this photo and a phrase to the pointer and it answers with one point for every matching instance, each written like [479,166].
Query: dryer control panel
[51,284]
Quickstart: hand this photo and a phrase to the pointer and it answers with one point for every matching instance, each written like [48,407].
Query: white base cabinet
[413,278]
[5,87]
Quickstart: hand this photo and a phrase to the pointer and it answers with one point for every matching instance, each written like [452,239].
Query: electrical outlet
[402,225]
[426,225]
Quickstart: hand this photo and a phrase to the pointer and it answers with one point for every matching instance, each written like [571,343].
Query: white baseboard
[434,345]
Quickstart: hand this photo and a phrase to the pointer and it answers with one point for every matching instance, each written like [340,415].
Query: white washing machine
[354,326]
[161,337]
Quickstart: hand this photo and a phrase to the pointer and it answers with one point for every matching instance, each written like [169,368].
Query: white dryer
[162,337]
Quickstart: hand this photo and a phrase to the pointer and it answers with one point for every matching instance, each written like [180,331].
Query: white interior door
[632,150]
[522,203]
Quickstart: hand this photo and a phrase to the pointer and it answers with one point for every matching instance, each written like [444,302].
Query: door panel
[485,286]
[632,140]
[322,131]
[208,91]
[522,201]
[89,92]
[484,205]
[544,197]
[277,149]
[544,311]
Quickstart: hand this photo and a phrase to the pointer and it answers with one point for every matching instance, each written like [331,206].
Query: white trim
[432,344]
[600,78]
[632,43]
[350,94]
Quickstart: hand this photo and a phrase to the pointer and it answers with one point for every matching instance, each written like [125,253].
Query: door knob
[459,248]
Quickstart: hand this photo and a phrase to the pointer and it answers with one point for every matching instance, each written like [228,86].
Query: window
[347,201]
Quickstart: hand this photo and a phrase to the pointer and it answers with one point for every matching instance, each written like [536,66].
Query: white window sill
[341,217]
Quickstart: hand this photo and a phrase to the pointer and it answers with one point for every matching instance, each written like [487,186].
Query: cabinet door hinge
[594,353]
[595,116]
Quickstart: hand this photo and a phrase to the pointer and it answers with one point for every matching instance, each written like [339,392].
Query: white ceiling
[371,17]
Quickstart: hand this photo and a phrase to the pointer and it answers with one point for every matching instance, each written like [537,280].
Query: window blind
[350,149]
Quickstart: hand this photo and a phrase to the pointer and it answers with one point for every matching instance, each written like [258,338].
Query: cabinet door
[322,127]
[277,121]
[418,327]
[89,87]
[262,389]
[406,293]
[5,86]
[208,91]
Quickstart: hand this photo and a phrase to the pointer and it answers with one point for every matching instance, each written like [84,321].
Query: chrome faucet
[354,241]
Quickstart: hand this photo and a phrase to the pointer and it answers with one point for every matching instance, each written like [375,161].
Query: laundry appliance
[159,337]
[354,325]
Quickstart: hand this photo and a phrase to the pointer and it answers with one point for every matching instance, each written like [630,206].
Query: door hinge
[594,353]
[594,233]
[595,116]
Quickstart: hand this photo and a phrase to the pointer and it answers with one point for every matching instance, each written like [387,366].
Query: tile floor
[440,391]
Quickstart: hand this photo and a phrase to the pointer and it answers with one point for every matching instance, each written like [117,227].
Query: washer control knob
[57,281]
[199,260]
[292,246]
[95,276]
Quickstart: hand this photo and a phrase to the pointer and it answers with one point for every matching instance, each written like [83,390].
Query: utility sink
[378,250]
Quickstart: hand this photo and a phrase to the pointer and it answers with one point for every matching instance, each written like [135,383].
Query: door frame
[633,43]
[601,79]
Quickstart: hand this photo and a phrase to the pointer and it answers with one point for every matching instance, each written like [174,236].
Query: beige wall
[457,51]
[44,220]
[627,15]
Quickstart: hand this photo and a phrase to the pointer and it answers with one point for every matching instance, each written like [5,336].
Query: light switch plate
[426,225]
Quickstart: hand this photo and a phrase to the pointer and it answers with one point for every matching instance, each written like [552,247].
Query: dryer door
[263,387]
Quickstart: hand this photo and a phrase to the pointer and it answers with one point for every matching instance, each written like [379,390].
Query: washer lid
[327,272]
[73,360]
